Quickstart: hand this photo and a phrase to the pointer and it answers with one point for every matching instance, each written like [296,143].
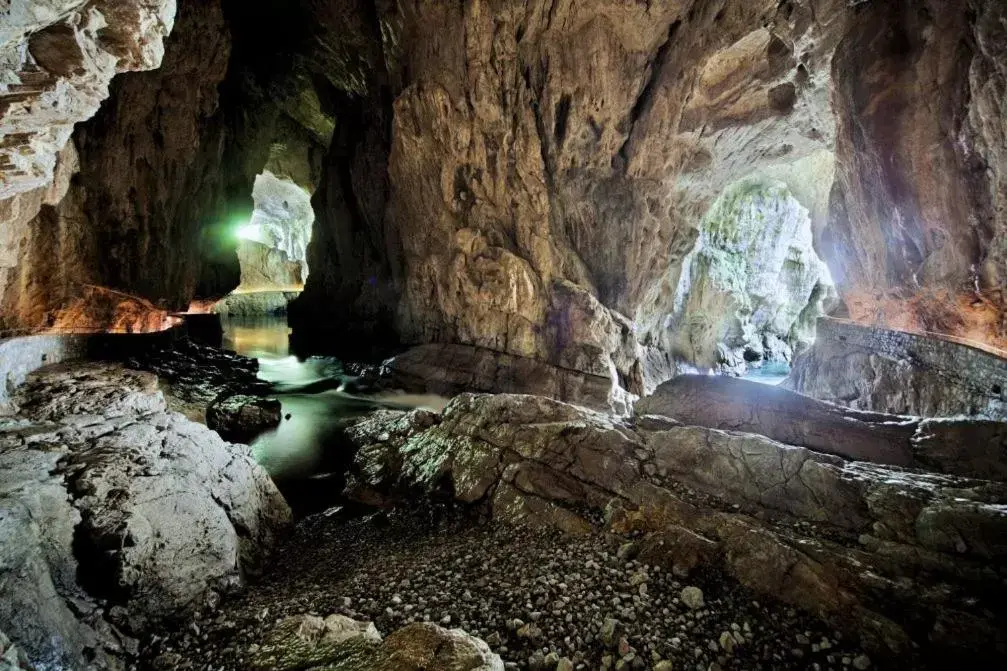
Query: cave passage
[272,250]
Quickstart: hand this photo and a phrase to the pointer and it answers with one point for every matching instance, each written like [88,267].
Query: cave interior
[523,334]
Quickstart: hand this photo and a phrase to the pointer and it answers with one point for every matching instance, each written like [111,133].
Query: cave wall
[56,61]
[549,162]
[162,178]
[915,237]
[549,165]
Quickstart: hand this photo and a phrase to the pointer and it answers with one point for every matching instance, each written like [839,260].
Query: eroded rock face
[57,58]
[917,209]
[754,287]
[119,515]
[536,461]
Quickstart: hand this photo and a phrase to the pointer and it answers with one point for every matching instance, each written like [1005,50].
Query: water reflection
[305,447]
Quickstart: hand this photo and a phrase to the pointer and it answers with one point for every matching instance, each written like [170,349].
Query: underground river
[304,454]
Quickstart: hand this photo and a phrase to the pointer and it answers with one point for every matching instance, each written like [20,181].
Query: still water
[305,449]
[771,373]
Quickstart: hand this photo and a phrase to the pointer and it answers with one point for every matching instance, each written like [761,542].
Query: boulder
[306,641]
[722,402]
[118,512]
[240,418]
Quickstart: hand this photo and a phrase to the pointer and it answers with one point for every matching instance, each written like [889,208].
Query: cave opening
[272,248]
[753,287]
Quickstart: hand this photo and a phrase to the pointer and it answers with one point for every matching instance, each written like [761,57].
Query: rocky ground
[193,375]
[537,597]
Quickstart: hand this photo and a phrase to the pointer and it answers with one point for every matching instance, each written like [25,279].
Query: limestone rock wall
[549,163]
[754,287]
[57,58]
[917,222]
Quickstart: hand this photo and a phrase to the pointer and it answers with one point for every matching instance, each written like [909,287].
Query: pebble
[692,597]
[539,599]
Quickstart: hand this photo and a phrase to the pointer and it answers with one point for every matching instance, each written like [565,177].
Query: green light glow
[249,232]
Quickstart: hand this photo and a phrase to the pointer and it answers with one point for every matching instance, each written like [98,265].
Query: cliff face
[550,162]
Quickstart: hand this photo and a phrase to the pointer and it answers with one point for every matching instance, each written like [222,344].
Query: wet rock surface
[885,553]
[240,418]
[198,375]
[539,598]
[119,515]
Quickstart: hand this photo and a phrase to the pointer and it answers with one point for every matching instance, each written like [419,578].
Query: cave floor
[451,568]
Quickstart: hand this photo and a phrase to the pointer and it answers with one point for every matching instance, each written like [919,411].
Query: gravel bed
[540,599]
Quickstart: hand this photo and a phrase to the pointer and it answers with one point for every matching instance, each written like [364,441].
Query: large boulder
[833,536]
[240,418]
[722,402]
[119,515]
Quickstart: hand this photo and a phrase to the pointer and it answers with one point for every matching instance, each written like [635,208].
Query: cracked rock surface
[896,554]
[119,515]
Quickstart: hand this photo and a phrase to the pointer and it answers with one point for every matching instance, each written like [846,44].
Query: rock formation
[537,177]
[483,187]
[119,515]
[740,405]
[536,461]
[753,288]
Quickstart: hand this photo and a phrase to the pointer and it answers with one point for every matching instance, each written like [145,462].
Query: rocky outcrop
[281,221]
[255,303]
[971,448]
[860,529]
[740,405]
[302,642]
[448,370]
[240,418]
[876,369]
[57,58]
[267,268]
[149,171]
[119,515]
